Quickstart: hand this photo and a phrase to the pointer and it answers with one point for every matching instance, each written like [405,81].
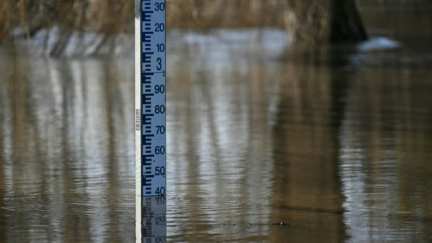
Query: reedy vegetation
[25,18]
[109,18]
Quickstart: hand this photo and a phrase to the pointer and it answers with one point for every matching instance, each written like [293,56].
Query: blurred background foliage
[56,22]
[115,16]
[109,18]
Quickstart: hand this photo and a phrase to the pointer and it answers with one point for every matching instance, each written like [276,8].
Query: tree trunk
[315,22]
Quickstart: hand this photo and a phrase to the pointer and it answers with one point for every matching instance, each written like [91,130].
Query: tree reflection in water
[338,149]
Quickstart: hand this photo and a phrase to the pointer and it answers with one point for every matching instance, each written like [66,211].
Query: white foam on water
[378,43]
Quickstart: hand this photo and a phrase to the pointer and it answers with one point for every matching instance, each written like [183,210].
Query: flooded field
[335,148]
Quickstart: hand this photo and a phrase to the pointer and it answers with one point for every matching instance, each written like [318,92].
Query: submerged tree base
[347,25]
[313,23]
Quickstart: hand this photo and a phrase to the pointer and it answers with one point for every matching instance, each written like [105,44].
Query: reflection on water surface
[259,150]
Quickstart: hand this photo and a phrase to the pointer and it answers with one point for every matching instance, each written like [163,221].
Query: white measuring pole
[150,120]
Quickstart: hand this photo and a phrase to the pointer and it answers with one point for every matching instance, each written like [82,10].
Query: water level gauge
[150,105]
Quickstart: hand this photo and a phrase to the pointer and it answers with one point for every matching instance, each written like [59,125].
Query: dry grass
[25,18]
[205,14]
[12,13]
[112,17]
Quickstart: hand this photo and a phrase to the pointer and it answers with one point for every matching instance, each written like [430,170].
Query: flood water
[335,148]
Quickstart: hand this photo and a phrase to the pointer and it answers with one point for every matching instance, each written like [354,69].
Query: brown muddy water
[331,149]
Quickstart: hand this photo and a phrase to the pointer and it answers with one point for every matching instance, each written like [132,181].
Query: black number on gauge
[159,109]
[159,27]
[159,89]
[160,47]
[160,150]
[159,63]
[159,6]
[160,190]
[160,170]
[160,129]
